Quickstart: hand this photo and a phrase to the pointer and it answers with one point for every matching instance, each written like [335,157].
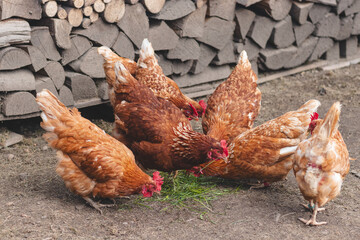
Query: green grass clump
[185,190]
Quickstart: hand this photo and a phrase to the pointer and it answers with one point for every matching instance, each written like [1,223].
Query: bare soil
[35,204]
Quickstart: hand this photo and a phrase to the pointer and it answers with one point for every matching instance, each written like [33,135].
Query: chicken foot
[312,221]
[97,205]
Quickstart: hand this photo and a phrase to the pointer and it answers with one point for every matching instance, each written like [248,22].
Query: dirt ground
[35,204]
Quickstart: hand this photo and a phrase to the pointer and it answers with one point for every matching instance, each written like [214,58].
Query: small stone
[23,176]
[10,156]
[322,91]
[44,148]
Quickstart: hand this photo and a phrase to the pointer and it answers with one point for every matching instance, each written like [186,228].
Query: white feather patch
[287,150]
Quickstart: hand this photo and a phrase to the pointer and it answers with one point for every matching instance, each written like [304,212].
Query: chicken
[321,163]
[156,131]
[235,103]
[266,151]
[150,73]
[91,163]
[112,57]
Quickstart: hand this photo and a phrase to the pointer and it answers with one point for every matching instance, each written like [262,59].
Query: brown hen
[159,134]
[91,163]
[235,103]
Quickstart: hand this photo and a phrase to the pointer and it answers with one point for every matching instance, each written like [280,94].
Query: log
[76,3]
[162,36]
[333,53]
[353,8]
[153,6]
[275,59]
[87,11]
[94,16]
[261,30]
[247,3]
[91,64]
[283,35]
[61,13]
[322,46]
[217,32]
[13,58]
[226,55]
[346,28]
[114,11]
[210,74]
[135,23]
[66,96]
[303,31]
[100,32]
[207,54]
[107,1]
[37,58]
[303,53]
[60,30]
[349,47]
[29,9]
[186,49]
[86,22]
[342,5]
[88,2]
[79,46]
[224,9]
[17,80]
[99,6]
[50,9]
[43,82]
[82,86]
[103,89]
[175,9]
[19,103]
[356,25]
[41,38]
[181,68]
[243,19]
[55,71]
[329,26]
[325,2]
[74,16]
[300,11]
[124,47]
[318,12]
[14,31]
[191,25]
[276,9]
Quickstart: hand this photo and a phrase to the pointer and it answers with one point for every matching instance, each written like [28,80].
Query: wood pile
[52,43]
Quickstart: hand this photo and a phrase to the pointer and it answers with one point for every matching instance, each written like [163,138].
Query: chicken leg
[312,221]
[311,206]
[97,206]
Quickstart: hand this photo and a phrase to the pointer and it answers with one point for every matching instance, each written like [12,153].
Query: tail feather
[52,109]
[310,106]
[330,123]
[147,55]
[123,76]
[244,60]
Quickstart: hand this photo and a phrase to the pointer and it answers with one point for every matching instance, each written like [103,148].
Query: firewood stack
[52,43]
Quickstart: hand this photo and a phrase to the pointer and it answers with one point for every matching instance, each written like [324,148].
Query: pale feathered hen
[321,163]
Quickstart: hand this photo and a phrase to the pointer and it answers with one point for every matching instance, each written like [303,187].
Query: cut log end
[154,6]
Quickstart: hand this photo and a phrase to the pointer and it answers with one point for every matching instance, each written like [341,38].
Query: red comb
[158,180]
[314,116]
[194,109]
[203,105]
[224,146]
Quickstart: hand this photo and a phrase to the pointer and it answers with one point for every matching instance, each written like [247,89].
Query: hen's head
[191,113]
[220,151]
[149,189]
[313,122]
